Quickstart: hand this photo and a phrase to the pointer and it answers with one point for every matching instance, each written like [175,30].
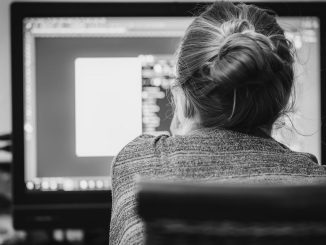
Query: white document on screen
[108,104]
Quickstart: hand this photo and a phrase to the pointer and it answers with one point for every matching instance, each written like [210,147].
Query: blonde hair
[235,67]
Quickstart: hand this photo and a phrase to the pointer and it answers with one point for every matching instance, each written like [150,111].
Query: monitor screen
[93,84]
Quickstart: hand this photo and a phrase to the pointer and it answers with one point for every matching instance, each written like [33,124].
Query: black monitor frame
[77,209]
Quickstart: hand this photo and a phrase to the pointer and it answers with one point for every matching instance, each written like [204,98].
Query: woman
[234,79]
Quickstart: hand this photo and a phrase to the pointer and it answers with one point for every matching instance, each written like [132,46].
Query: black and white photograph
[162,122]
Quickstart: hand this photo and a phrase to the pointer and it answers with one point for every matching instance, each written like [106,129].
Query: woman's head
[235,68]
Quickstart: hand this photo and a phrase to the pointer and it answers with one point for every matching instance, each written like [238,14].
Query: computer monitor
[87,78]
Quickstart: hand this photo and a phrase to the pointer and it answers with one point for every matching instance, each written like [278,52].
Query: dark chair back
[183,213]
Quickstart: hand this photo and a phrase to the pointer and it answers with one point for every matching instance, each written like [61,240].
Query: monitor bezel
[100,201]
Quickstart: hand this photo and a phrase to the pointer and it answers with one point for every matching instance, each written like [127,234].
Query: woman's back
[234,78]
[206,155]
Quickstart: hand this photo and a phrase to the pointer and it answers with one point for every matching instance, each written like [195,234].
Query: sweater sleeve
[125,224]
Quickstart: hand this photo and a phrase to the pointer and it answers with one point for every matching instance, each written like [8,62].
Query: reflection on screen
[94,84]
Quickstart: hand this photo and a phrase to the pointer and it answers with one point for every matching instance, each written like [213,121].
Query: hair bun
[244,58]
[235,67]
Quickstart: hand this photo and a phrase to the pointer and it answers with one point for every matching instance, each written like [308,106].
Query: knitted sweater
[206,156]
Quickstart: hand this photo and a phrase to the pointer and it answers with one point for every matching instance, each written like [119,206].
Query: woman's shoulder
[142,146]
[148,149]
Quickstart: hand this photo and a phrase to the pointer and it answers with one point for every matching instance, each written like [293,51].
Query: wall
[5,98]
